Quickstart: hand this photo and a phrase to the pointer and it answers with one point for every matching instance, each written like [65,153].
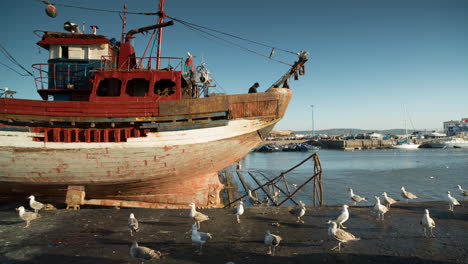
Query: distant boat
[405,144]
[451,143]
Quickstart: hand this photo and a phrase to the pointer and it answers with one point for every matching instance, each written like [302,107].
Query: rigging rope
[100,10]
[194,27]
[230,42]
[233,36]
[13,69]
[13,60]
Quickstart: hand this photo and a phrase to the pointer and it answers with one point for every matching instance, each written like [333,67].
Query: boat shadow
[6,223]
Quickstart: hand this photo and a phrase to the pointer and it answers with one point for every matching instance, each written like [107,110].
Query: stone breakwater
[101,236]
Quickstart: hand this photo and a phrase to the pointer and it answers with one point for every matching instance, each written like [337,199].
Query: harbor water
[428,173]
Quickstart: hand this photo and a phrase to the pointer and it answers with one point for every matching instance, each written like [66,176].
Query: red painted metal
[59,38]
[101,108]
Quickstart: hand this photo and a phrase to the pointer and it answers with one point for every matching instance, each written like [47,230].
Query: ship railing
[141,63]
[63,75]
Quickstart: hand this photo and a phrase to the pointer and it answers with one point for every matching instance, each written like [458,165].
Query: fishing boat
[115,129]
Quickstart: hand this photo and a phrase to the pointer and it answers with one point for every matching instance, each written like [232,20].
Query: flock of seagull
[427,222]
[335,231]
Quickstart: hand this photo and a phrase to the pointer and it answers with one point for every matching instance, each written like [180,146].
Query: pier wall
[351,144]
[356,144]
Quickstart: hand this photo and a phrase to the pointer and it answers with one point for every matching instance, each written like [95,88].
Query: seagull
[343,217]
[239,211]
[199,217]
[463,192]
[452,201]
[427,222]
[298,211]
[356,198]
[35,204]
[388,200]
[143,254]
[26,216]
[276,196]
[381,209]
[407,195]
[132,224]
[199,237]
[272,241]
[340,235]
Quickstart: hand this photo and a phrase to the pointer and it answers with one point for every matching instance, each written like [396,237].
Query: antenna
[124,22]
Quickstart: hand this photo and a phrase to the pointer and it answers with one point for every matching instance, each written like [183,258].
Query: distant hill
[353,131]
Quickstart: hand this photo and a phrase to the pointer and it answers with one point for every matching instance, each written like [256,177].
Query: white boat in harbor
[451,143]
[405,145]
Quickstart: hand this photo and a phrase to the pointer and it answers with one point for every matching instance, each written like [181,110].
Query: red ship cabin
[89,67]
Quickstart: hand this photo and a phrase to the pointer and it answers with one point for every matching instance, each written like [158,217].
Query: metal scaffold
[273,187]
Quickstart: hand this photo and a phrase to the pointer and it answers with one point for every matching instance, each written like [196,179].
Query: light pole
[312,106]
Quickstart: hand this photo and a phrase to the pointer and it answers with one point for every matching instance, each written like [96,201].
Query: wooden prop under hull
[202,190]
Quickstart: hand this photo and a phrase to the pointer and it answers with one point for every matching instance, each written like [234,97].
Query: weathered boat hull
[167,169]
[157,173]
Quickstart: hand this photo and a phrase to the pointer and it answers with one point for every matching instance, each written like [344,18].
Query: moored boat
[450,143]
[122,130]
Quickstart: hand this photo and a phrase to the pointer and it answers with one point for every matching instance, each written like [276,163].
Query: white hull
[405,146]
[160,154]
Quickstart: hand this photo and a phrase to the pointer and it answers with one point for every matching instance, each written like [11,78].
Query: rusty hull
[168,176]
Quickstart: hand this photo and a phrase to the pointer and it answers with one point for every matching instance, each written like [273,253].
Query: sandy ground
[97,235]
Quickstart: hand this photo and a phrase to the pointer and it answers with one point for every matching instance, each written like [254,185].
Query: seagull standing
[35,204]
[272,241]
[197,216]
[298,211]
[356,198]
[407,195]
[343,217]
[132,224]
[427,222]
[380,209]
[463,192]
[199,238]
[276,196]
[143,254]
[26,216]
[340,235]
[239,211]
[452,201]
[388,200]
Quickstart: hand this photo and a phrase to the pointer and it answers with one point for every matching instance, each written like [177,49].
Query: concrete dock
[96,235]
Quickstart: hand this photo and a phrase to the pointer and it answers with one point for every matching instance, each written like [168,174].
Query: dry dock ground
[97,235]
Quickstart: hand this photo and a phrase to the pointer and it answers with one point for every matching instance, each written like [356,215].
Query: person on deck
[254,87]
[190,66]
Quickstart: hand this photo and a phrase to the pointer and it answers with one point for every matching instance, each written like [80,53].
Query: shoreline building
[456,128]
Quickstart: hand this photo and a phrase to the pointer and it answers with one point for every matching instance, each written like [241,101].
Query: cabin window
[109,87]
[137,87]
[165,87]
[64,52]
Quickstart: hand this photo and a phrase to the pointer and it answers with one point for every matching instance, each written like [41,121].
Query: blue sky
[368,58]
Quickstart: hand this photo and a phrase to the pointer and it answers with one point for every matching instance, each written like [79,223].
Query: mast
[123,17]
[160,33]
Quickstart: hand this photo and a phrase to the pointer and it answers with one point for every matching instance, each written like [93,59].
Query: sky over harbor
[369,59]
